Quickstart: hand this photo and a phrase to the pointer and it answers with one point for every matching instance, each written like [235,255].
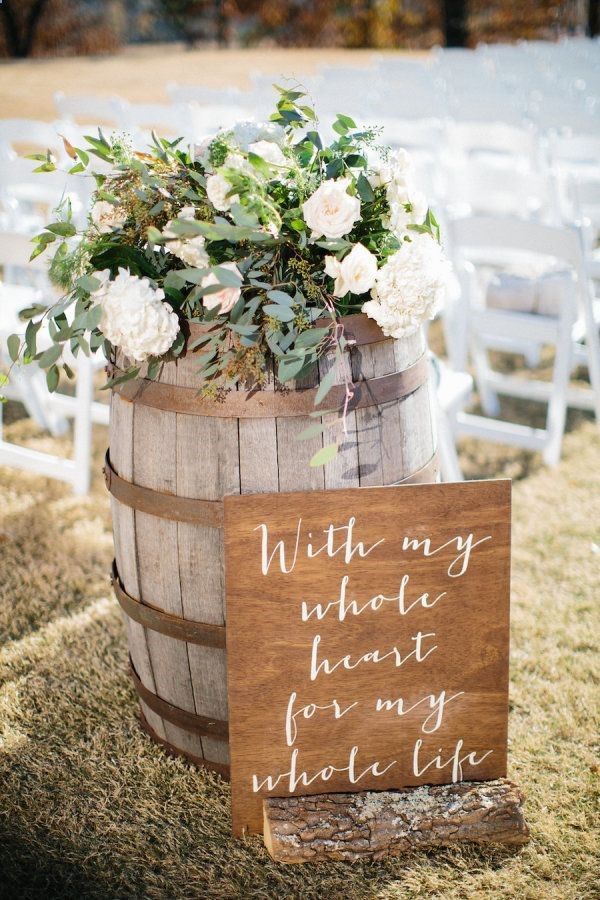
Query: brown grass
[141,73]
[91,808]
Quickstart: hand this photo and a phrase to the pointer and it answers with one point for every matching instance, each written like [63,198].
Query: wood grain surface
[391,688]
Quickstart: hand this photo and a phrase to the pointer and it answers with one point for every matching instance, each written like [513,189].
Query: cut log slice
[376,825]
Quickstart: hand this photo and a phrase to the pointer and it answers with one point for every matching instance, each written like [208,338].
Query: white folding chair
[89,108]
[575,159]
[452,394]
[584,201]
[573,330]
[36,137]
[493,142]
[424,140]
[482,188]
[27,383]
[163,118]
[28,198]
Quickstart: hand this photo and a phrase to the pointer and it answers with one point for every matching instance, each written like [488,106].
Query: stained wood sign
[367,639]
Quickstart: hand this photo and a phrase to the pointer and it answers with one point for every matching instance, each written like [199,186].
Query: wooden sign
[367,639]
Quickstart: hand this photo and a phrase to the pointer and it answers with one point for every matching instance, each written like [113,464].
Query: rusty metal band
[272,404]
[221,768]
[158,503]
[199,512]
[427,474]
[203,725]
[357,328]
[191,632]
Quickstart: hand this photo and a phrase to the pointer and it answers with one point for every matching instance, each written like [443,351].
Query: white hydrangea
[107,216]
[248,132]
[134,318]
[190,250]
[397,174]
[410,287]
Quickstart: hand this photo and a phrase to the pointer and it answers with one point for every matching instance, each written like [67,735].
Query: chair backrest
[31,197]
[584,194]
[160,117]
[495,233]
[89,108]
[19,136]
[206,96]
[576,148]
[421,134]
[489,189]
[15,251]
[492,137]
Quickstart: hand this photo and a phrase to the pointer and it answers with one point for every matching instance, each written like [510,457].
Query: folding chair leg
[557,405]
[489,398]
[449,465]
[592,343]
[82,436]
[24,381]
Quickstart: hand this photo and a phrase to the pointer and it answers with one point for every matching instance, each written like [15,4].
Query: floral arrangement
[261,231]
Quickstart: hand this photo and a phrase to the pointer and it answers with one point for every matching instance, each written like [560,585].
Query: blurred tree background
[65,27]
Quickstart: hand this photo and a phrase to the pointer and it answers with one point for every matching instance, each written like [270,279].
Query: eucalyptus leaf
[280,297]
[226,277]
[324,455]
[325,386]
[311,431]
[49,356]
[52,378]
[88,283]
[312,337]
[13,345]
[289,366]
[283,313]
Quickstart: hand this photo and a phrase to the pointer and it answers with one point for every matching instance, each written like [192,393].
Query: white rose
[355,273]
[408,205]
[331,211]
[410,287]
[225,298]
[190,250]
[134,318]
[217,189]
[270,152]
[106,216]
[397,167]
[217,185]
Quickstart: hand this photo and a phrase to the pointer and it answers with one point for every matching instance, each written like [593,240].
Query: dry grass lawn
[140,73]
[90,808]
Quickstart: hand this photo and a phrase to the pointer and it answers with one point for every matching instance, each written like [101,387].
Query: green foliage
[144,225]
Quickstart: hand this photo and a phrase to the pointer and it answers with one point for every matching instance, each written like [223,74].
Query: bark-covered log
[374,825]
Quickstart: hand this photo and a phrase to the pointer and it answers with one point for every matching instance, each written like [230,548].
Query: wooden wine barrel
[174,455]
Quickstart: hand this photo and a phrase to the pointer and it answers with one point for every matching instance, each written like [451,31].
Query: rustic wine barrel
[174,455]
